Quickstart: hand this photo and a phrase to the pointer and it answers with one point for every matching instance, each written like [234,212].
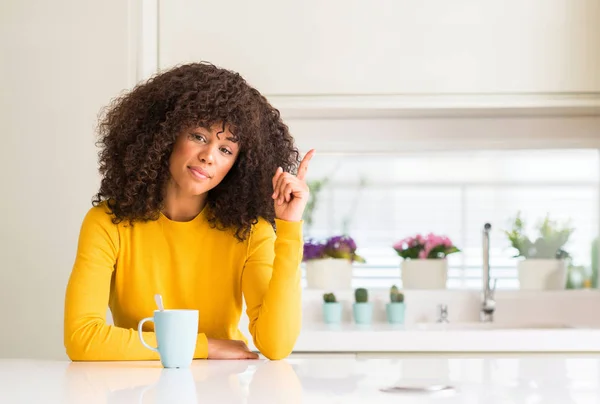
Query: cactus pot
[332,313]
[395,313]
[363,312]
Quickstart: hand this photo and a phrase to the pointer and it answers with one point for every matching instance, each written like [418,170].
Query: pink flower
[420,247]
[447,243]
[428,247]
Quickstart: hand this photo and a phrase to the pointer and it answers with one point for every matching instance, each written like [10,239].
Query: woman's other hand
[229,349]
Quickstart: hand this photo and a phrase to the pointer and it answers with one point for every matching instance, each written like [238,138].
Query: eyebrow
[233,138]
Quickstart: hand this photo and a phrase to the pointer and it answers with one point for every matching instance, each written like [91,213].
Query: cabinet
[391,47]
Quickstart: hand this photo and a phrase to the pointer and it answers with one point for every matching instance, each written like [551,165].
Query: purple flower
[335,247]
[340,244]
[313,250]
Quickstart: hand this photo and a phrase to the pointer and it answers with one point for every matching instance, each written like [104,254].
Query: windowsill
[391,338]
[378,293]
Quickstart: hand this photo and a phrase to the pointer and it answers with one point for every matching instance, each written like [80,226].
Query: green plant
[395,295]
[548,244]
[577,275]
[329,298]
[315,187]
[361,295]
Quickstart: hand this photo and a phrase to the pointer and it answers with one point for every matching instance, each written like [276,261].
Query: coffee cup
[176,334]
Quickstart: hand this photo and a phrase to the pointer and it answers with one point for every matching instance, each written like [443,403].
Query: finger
[301,191]
[276,177]
[283,179]
[285,189]
[303,169]
[245,353]
[295,189]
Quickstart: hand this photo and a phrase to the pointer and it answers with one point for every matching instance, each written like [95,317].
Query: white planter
[424,273]
[542,274]
[329,274]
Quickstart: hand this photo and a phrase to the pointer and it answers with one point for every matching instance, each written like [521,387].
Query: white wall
[61,62]
[391,46]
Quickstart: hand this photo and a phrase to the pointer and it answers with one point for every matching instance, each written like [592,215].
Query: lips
[199,173]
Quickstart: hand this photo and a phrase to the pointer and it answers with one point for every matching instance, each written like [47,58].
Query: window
[379,199]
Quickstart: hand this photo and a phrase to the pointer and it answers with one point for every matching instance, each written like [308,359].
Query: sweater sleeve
[271,287]
[87,337]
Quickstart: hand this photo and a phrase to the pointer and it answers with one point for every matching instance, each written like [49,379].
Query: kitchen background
[380,199]
[427,116]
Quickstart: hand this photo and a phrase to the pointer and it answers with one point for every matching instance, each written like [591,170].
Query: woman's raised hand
[290,193]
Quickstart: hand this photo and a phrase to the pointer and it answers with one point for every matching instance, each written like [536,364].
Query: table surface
[487,379]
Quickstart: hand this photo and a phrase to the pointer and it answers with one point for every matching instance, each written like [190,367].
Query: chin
[197,191]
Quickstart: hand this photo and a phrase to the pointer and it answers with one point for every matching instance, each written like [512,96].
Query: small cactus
[329,298]
[361,295]
[395,295]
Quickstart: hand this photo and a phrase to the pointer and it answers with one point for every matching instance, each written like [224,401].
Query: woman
[198,203]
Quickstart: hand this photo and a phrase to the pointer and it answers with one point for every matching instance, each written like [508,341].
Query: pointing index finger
[304,164]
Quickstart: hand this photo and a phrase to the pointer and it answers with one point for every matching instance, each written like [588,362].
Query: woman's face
[201,158]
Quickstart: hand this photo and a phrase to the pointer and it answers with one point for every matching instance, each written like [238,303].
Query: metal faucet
[488,303]
[442,313]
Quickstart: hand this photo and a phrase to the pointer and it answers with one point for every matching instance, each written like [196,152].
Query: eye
[199,138]
[226,151]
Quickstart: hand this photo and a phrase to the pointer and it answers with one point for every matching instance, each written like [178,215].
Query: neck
[182,207]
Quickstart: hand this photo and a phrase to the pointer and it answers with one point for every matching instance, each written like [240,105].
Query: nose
[206,154]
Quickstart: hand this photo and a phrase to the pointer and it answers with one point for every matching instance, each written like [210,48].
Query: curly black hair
[138,131]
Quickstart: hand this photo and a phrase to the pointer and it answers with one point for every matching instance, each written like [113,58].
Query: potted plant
[329,263]
[332,309]
[424,264]
[394,310]
[362,308]
[543,265]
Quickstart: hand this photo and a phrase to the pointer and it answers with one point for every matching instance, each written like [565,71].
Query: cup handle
[142,335]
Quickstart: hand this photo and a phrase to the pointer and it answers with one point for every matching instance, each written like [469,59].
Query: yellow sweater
[193,267]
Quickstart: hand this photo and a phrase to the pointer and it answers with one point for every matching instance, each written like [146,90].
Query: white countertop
[489,379]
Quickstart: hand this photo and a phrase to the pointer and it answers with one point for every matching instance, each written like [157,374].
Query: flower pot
[542,274]
[395,313]
[363,312]
[332,313]
[329,274]
[424,273]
